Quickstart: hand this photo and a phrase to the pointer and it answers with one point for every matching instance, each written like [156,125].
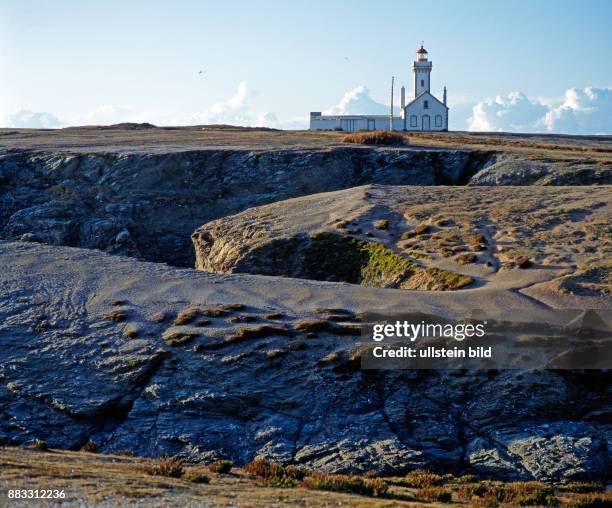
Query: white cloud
[582,111]
[515,112]
[358,102]
[235,110]
[108,114]
[32,119]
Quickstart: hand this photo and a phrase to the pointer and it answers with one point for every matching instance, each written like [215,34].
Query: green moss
[444,280]
[356,261]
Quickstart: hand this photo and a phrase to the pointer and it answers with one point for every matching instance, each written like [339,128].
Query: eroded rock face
[85,356]
[86,200]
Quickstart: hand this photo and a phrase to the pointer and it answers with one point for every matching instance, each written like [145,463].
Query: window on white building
[425,104]
[438,120]
[413,121]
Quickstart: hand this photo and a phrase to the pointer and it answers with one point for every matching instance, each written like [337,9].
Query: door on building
[371,124]
[425,123]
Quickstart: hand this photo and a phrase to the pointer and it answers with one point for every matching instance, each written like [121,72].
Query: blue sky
[101,61]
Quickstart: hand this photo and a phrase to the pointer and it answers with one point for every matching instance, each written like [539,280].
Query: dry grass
[539,146]
[376,138]
[221,466]
[116,315]
[176,338]
[171,467]
[116,480]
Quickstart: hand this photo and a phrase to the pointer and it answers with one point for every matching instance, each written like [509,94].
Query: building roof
[429,95]
[422,50]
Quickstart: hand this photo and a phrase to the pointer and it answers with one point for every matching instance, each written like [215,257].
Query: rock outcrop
[141,357]
[146,203]
[436,238]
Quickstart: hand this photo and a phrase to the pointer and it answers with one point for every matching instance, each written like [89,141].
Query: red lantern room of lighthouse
[421,54]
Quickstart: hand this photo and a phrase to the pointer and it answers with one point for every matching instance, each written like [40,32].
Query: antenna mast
[391,112]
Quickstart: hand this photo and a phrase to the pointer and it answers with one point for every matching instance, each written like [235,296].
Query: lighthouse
[424,111]
[421,70]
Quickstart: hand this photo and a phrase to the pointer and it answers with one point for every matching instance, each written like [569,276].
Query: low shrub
[582,487]
[171,467]
[416,231]
[275,474]
[592,501]
[39,444]
[421,478]
[175,338]
[90,446]
[196,477]
[374,487]
[375,138]
[466,259]
[436,494]
[520,493]
[221,466]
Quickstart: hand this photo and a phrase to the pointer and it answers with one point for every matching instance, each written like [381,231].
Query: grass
[177,338]
[437,494]
[372,487]
[93,479]
[221,466]
[258,332]
[466,259]
[171,467]
[39,444]
[90,447]
[376,138]
[517,493]
[194,476]
[421,229]
[116,315]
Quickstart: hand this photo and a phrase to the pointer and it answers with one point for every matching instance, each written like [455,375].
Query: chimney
[403,97]
[444,100]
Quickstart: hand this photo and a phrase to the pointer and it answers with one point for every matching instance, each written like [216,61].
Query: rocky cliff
[146,203]
[141,357]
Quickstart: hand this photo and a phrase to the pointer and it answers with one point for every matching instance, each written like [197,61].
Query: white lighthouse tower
[424,112]
[421,70]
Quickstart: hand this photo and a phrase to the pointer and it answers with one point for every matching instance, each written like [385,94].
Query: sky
[524,65]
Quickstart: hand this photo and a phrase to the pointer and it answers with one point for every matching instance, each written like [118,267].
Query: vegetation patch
[421,229]
[195,476]
[466,259]
[382,224]
[275,474]
[221,466]
[90,446]
[517,493]
[373,487]
[176,338]
[116,315]
[375,138]
[39,444]
[259,332]
[355,261]
[435,494]
[171,467]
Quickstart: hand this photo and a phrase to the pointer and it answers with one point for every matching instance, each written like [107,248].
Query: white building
[423,113]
